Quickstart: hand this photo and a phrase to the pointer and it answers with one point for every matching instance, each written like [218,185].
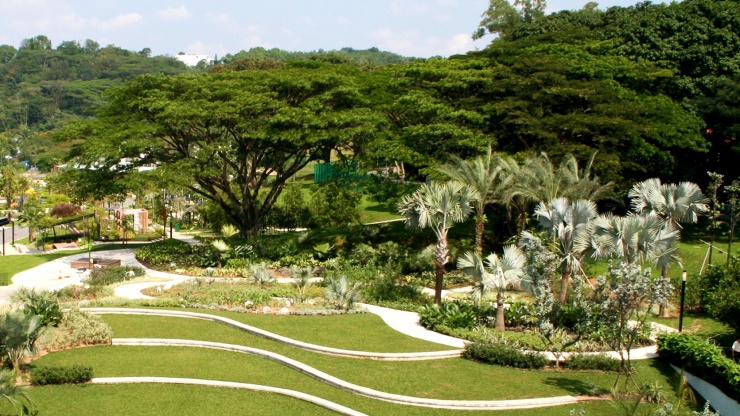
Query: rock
[266,309]
[84,303]
[248,304]
[284,311]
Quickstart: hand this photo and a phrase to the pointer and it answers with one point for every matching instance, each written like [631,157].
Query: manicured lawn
[109,361]
[444,379]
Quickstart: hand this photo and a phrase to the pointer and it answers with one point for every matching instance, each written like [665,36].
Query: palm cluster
[565,212]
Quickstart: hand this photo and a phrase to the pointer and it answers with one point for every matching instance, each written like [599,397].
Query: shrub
[601,362]
[84,292]
[67,374]
[505,355]
[77,328]
[110,275]
[520,313]
[343,294]
[456,314]
[702,359]
[42,303]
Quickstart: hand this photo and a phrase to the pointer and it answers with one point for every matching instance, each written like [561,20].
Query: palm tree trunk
[441,257]
[480,224]
[500,324]
[564,285]
[663,307]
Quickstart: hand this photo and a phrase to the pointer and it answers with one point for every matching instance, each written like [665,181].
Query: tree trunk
[480,224]
[663,307]
[441,257]
[564,285]
[500,320]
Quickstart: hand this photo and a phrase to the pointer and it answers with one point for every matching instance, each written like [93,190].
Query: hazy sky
[419,28]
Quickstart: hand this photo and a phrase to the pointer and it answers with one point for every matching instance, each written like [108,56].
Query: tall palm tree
[566,223]
[438,206]
[541,181]
[673,204]
[497,273]
[489,175]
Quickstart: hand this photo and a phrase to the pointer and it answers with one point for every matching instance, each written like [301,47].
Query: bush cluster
[601,362]
[110,275]
[62,374]
[77,328]
[180,253]
[505,355]
[718,293]
[456,315]
[702,359]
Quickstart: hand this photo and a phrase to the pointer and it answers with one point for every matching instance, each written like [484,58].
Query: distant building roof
[192,60]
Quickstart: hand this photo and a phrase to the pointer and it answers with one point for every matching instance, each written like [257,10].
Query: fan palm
[634,239]
[489,175]
[438,206]
[301,280]
[496,273]
[567,223]
[671,203]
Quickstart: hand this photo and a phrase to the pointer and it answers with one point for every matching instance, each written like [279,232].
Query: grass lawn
[109,361]
[465,379]
[320,330]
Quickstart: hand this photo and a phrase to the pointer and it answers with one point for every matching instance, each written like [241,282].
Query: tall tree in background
[234,138]
[438,206]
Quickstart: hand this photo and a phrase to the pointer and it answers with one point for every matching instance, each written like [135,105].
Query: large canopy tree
[234,138]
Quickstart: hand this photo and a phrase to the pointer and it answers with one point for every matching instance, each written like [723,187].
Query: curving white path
[401,356]
[354,388]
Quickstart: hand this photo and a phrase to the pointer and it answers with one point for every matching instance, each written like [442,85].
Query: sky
[419,28]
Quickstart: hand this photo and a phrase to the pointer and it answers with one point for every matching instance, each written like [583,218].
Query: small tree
[497,273]
[715,181]
[439,207]
[622,300]
[301,280]
[733,198]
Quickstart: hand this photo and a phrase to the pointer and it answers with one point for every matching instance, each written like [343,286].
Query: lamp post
[683,293]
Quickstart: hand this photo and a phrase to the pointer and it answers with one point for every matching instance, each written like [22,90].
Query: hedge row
[71,374]
[702,359]
[506,355]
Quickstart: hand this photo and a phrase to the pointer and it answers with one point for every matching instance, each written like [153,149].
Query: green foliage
[77,328]
[42,303]
[63,374]
[601,362]
[109,275]
[181,254]
[505,355]
[456,315]
[718,293]
[18,334]
[334,204]
[342,293]
[703,359]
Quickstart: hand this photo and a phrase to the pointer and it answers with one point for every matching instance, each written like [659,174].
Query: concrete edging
[229,384]
[410,356]
[353,388]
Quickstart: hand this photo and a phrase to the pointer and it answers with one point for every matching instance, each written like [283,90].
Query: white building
[192,60]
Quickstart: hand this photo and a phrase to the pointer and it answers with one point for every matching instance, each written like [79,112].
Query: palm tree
[489,176]
[15,395]
[540,181]
[439,207]
[634,239]
[301,280]
[496,273]
[673,204]
[566,223]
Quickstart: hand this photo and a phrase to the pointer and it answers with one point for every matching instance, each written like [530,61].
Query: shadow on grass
[572,386]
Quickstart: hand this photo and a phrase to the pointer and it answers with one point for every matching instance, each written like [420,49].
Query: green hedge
[702,359]
[601,362]
[72,374]
[506,355]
